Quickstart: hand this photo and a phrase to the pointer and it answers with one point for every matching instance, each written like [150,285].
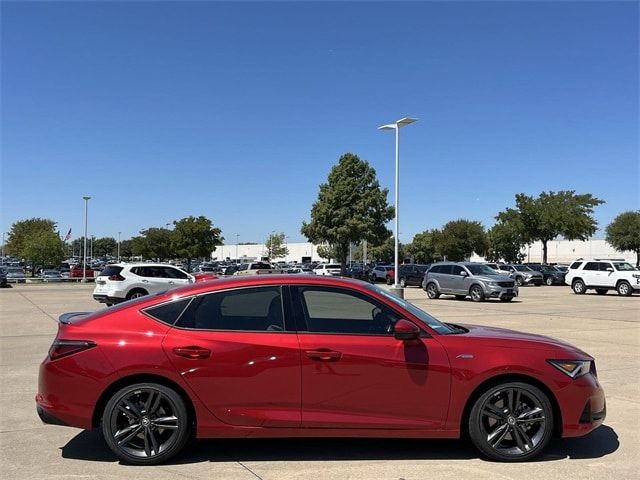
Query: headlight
[492,284]
[572,368]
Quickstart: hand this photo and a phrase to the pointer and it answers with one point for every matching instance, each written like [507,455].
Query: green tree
[104,246]
[506,238]
[624,233]
[194,237]
[423,246]
[24,230]
[43,249]
[327,252]
[155,243]
[275,246]
[351,207]
[552,214]
[127,248]
[458,239]
[383,252]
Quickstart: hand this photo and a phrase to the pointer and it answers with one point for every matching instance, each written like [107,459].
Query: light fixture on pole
[119,246]
[84,256]
[397,126]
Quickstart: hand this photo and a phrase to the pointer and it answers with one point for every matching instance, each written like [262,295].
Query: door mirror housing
[609,269]
[405,330]
[463,273]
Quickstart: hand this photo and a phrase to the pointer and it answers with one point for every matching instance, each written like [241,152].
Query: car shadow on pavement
[89,445]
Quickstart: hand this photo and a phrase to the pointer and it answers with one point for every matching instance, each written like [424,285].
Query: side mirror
[463,273]
[609,269]
[405,330]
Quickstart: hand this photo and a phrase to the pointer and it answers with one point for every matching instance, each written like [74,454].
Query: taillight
[63,348]
[117,277]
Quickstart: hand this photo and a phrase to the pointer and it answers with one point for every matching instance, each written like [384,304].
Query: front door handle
[192,352]
[323,354]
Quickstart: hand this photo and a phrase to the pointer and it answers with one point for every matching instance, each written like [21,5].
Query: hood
[505,338]
[493,278]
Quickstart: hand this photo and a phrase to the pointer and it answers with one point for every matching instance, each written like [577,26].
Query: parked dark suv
[550,274]
[411,275]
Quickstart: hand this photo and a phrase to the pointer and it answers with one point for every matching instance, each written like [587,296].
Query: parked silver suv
[464,279]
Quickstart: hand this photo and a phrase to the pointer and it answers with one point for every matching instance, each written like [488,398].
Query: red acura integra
[294,356]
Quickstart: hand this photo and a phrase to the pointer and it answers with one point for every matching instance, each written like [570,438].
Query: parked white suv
[331,269]
[124,281]
[603,275]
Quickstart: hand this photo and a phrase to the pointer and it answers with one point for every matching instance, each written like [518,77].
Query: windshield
[422,315]
[480,270]
[522,268]
[623,266]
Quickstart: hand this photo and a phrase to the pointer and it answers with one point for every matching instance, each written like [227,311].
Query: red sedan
[294,356]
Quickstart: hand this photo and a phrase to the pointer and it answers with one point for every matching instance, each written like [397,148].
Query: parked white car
[331,269]
[124,281]
[603,275]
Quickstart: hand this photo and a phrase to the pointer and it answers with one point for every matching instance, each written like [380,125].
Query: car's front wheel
[403,282]
[511,422]
[476,293]
[145,423]
[624,288]
[519,281]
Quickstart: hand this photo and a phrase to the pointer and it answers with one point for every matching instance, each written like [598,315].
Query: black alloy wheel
[145,423]
[511,422]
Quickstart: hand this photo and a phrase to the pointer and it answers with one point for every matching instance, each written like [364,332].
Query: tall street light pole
[84,257]
[119,246]
[237,240]
[397,126]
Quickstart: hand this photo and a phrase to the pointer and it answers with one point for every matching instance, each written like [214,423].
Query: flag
[66,239]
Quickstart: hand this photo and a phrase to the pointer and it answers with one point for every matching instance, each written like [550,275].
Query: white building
[298,252]
[566,251]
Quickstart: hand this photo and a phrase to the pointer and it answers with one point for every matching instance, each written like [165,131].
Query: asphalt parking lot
[608,327]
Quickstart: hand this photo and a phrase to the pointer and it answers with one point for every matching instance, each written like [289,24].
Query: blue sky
[237,111]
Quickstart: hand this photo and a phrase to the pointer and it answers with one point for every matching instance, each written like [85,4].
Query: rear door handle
[323,354]
[192,352]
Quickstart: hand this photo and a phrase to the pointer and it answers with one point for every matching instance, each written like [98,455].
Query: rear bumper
[107,299]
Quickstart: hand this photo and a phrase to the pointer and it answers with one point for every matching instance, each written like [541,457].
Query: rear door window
[592,266]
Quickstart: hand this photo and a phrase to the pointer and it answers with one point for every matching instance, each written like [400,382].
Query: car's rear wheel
[137,293]
[601,291]
[578,287]
[145,423]
[389,280]
[624,288]
[476,293]
[511,422]
[432,291]
[549,281]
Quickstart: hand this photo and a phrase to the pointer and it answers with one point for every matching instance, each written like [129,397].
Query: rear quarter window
[110,270]
[575,265]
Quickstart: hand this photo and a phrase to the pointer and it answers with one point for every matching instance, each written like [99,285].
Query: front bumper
[583,406]
[533,281]
[500,292]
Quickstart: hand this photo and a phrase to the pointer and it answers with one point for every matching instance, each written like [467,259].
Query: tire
[519,281]
[549,281]
[506,299]
[476,293]
[151,444]
[624,288]
[136,293]
[403,282]
[389,280]
[511,422]
[460,297]
[432,291]
[601,291]
[578,287]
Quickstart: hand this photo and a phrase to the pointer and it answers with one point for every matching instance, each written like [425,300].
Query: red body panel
[293,385]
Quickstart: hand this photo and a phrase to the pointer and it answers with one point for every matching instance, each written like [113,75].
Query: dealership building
[558,251]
